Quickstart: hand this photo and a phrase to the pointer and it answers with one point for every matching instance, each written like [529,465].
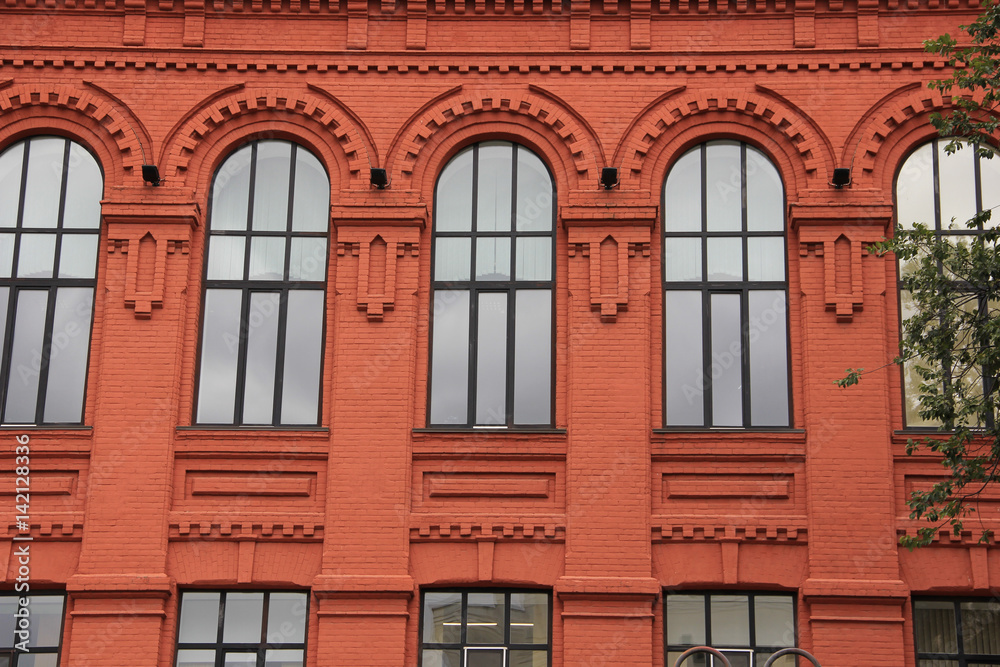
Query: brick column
[854,587]
[608,592]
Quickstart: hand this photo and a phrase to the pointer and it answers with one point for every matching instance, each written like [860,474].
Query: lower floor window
[956,633]
[746,627]
[480,628]
[31,629]
[242,629]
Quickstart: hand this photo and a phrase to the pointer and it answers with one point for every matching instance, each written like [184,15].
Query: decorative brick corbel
[629,242]
[377,285]
[143,301]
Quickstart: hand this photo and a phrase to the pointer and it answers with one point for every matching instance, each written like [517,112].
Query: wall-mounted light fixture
[151,174]
[379,178]
[841,177]
[609,177]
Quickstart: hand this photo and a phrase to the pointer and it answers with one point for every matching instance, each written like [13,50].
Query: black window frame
[476,287]
[507,646]
[11,652]
[941,230]
[960,658]
[250,287]
[752,646]
[51,286]
[259,648]
[708,288]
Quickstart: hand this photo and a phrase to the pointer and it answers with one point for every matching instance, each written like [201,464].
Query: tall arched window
[265,288]
[50,217]
[943,192]
[725,290]
[491,350]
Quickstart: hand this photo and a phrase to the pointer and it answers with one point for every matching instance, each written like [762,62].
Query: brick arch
[530,105]
[286,109]
[93,116]
[767,111]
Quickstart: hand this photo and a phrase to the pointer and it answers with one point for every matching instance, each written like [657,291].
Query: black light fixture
[841,177]
[151,174]
[609,177]
[379,178]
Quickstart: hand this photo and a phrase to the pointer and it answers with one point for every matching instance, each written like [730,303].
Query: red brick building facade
[274,441]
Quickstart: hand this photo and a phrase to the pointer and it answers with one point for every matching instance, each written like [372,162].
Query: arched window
[943,192]
[725,290]
[50,217]
[491,350]
[265,288]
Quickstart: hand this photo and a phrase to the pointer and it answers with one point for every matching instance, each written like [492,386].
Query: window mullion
[43,364]
[511,324]
[279,357]
[241,355]
[706,355]
[473,356]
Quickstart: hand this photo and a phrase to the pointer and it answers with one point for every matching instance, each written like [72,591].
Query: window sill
[731,444]
[51,439]
[503,443]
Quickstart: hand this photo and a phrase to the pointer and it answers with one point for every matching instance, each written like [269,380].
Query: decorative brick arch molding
[497,112]
[309,116]
[893,127]
[759,111]
[94,117]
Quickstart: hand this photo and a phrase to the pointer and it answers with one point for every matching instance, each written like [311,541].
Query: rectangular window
[256,629]
[31,629]
[956,633]
[485,628]
[746,627]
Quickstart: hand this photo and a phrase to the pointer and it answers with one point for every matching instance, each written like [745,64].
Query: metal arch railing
[725,661]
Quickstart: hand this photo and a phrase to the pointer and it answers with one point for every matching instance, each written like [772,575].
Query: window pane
[957,188]
[738,658]
[452,258]
[727,350]
[84,187]
[529,620]
[534,258]
[489,657]
[219,352]
[725,259]
[11,161]
[303,358]
[723,186]
[774,620]
[495,181]
[682,194]
[768,358]
[934,626]
[438,658]
[492,258]
[485,619]
[730,620]
[38,660]
[981,627]
[696,660]
[915,188]
[311,197]
[68,356]
[44,182]
[46,620]
[534,193]
[36,256]
[491,359]
[308,259]
[267,258]
[685,378]
[989,187]
[225,258]
[262,350]
[532,357]
[453,200]
[765,196]
[911,379]
[284,658]
[529,659]
[199,618]
[26,356]
[681,259]
[78,255]
[231,192]
[6,254]
[270,186]
[685,620]
[450,358]
[240,660]
[244,612]
[8,607]
[286,618]
[766,258]
[442,618]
